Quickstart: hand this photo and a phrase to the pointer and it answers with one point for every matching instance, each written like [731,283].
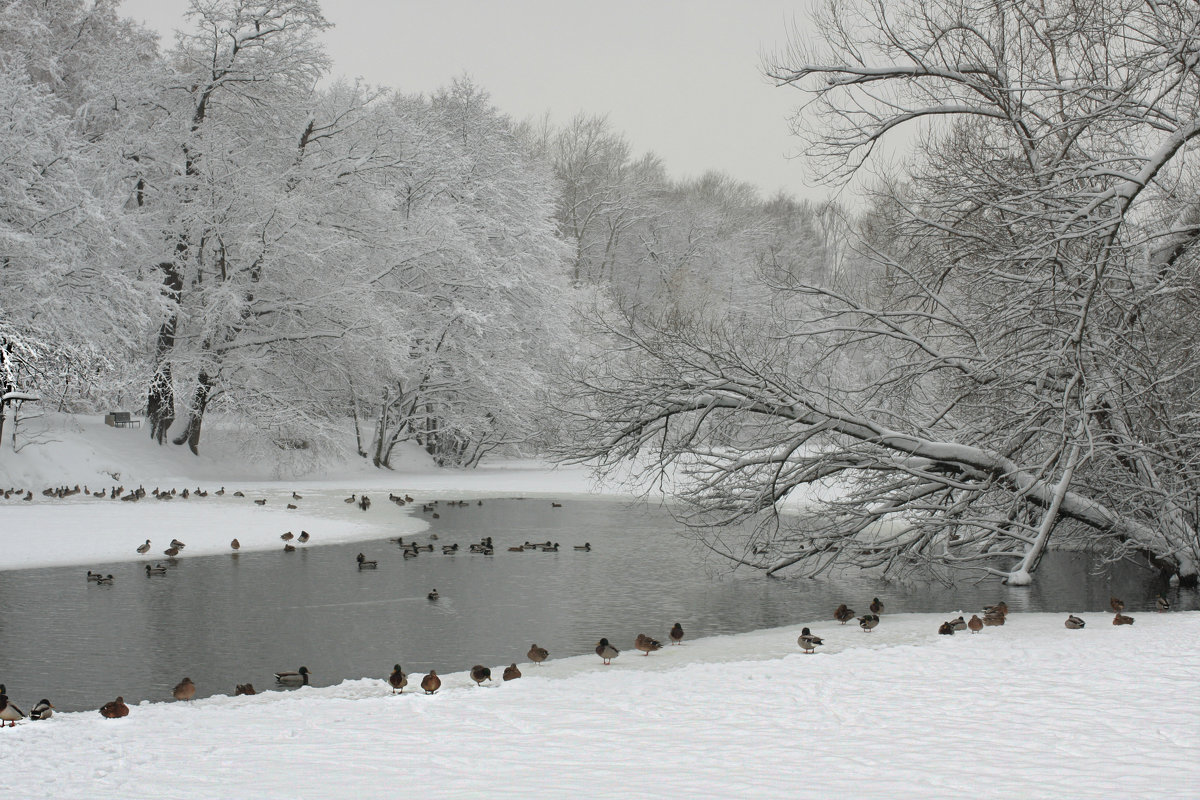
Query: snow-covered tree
[1025,347]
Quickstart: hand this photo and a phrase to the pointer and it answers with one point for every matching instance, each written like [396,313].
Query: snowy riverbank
[85,530]
[1027,710]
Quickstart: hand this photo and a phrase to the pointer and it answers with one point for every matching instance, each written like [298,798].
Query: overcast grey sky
[680,78]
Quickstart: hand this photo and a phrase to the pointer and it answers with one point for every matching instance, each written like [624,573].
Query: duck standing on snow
[235,544]
[297,678]
[959,624]
[809,643]
[1121,619]
[184,690]
[8,712]
[431,682]
[946,629]
[868,622]
[677,634]
[975,623]
[398,679]
[1161,604]
[1117,604]
[480,673]
[1074,623]
[843,614]
[511,673]
[114,709]
[43,710]
[646,644]
[876,606]
[243,688]
[144,548]
[537,654]
[606,651]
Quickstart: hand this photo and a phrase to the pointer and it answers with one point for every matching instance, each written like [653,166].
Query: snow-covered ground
[1027,710]
[86,530]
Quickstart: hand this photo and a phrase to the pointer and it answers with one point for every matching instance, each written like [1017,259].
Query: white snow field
[1029,710]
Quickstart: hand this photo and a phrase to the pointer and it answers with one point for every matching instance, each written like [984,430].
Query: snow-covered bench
[121,419]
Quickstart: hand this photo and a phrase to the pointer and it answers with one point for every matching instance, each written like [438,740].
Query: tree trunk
[160,400]
[191,434]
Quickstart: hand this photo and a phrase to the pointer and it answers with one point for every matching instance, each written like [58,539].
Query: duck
[43,710]
[646,644]
[171,552]
[292,506]
[517,549]
[144,548]
[9,713]
[114,709]
[365,563]
[287,537]
[451,549]
[975,623]
[480,673]
[157,569]
[237,494]
[1161,603]
[296,496]
[298,678]
[1121,619]
[351,499]
[1074,623]
[244,688]
[843,614]
[868,622]
[585,547]
[876,606]
[1117,604]
[398,679]
[431,682]
[511,673]
[235,544]
[1000,608]
[946,629]
[432,595]
[606,651]
[184,690]
[107,580]
[94,576]
[303,537]
[677,634]
[288,547]
[992,619]
[409,553]
[260,502]
[550,548]
[959,624]
[220,491]
[555,505]
[809,643]
[537,654]
[364,502]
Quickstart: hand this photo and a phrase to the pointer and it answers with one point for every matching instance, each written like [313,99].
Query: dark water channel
[225,620]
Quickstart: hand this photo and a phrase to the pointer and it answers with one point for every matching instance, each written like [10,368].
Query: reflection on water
[224,620]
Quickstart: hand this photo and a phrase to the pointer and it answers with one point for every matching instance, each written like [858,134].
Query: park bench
[121,419]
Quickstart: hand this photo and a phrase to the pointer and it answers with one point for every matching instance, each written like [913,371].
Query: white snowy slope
[1028,710]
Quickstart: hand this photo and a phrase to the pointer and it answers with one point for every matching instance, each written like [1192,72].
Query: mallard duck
[292,506]
[676,634]
[398,679]
[432,595]
[364,502]
[235,544]
[177,544]
[107,580]
[876,606]
[451,549]
[114,709]
[244,688]
[351,499]
[303,537]
[868,622]
[537,654]
[555,505]
[809,643]
[975,623]
[171,552]
[843,614]
[43,710]
[184,690]
[9,713]
[287,537]
[237,494]
[288,547]
[959,624]
[220,491]
[586,547]
[646,644]
[365,563]
[94,576]
[260,502]
[511,673]
[1074,623]
[296,496]
[992,619]
[480,673]
[431,682]
[606,651]
[157,569]
[144,548]
[1121,619]
[298,678]
[1161,603]
[1000,608]
[1117,604]
[409,552]
[946,629]
[517,549]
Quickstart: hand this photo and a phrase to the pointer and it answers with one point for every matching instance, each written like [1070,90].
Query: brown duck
[646,644]
[480,673]
[537,654]
[431,682]
[606,651]
[398,679]
[511,673]
[677,634]
[114,709]
[184,690]
[843,614]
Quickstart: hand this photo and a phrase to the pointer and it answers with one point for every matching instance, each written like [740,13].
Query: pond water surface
[224,620]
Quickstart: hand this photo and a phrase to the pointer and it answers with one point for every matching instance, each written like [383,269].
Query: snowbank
[1027,710]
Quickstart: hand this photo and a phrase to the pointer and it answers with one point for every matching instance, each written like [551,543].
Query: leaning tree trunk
[191,434]
[160,400]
